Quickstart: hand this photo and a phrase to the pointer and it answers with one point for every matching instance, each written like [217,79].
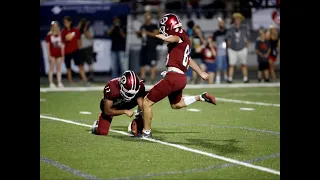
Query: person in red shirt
[209,53]
[72,41]
[55,53]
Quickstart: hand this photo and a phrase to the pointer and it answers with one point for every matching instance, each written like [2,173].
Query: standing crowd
[217,53]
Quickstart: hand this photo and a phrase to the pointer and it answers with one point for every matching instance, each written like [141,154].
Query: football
[136,125]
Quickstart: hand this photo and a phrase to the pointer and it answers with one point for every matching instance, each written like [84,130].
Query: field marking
[222,126]
[67,168]
[85,112]
[194,170]
[193,110]
[243,94]
[42,100]
[246,102]
[189,86]
[264,169]
[246,109]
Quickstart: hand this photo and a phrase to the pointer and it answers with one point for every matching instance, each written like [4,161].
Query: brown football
[137,125]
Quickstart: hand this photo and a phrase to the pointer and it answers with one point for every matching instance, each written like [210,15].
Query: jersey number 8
[185,56]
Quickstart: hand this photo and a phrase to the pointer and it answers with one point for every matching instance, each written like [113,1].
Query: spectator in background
[190,25]
[118,47]
[196,41]
[237,41]
[55,53]
[86,50]
[193,6]
[209,54]
[71,39]
[263,51]
[219,38]
[274,41]
[148,53]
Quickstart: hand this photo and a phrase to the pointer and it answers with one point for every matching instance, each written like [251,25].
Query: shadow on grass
[221,147]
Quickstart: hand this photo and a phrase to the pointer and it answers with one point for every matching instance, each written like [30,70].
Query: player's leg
[232,62]
[51,70]
[176,99]
[242,56]
[194,74]
[102,125]
[159,91]
[67,62]
[178,102]
[58,71]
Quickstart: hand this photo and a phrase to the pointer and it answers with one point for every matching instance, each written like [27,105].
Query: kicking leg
[178,102]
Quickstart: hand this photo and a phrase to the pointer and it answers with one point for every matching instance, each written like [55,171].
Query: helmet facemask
[129,91]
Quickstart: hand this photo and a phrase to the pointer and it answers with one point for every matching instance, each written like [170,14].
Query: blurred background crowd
[85,42]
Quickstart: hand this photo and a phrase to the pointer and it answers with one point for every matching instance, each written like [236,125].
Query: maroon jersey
[112,92]
[55,44]
[70,38]
[207,54]
[179,53]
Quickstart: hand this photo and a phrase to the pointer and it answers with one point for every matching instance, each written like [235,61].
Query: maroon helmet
[129,85]
[169,22]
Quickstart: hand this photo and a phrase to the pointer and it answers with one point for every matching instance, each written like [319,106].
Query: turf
[223,129]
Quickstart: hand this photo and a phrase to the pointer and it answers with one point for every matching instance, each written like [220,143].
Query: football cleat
[144,135]
[208,98]
[94,127]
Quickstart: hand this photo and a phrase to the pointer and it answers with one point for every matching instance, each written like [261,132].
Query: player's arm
[169,39]
[108,110]
[140,103]
[108,103]
[194,66]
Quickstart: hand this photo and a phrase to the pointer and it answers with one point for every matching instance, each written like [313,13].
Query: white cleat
[60,85]
[93,127]
[52,85]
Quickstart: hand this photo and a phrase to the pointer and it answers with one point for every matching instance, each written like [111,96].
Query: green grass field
[68,151]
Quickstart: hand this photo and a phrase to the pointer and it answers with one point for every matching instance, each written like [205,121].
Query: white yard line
[189,86]
[246,102]
[264,169]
